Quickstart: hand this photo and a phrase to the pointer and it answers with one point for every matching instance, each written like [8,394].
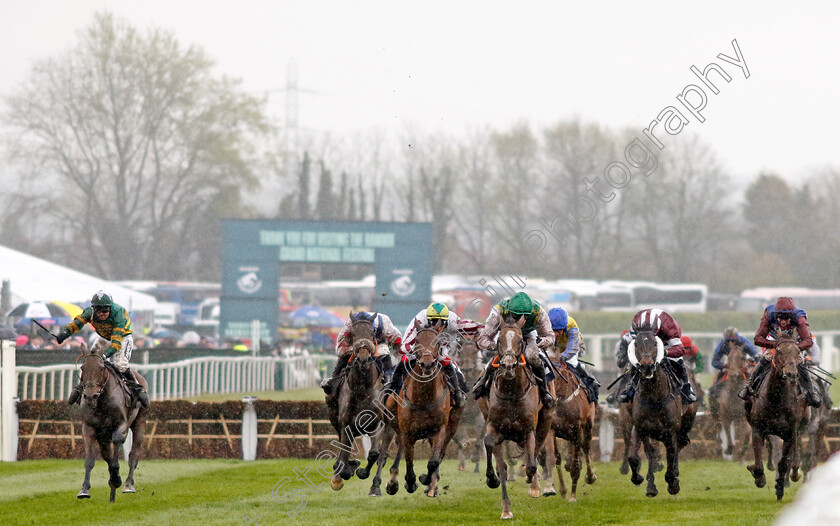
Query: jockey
[666,328]
[436,314]
[536,331]
[784,316]
[113,326]
[621,361]
[568,344]
[385,333]
[730,335]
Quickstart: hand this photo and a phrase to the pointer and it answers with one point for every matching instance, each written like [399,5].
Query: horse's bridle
[516,353]
[426,350]
[363,342]
[101,385]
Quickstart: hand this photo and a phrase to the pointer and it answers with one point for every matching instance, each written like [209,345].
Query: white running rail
[192,377]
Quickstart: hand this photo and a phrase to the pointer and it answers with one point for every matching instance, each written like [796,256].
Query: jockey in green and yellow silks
[112,324]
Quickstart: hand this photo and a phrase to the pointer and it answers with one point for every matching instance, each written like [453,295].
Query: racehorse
[657,412]
[572,420]
[107,413]
[353,412]
[779,410]
[727,409]
[513,412]
[425,413]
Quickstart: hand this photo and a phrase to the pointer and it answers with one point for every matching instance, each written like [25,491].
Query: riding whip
[622,375]
[48,331]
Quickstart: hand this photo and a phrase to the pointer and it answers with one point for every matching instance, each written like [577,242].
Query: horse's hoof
[462,468]
[129,488]
[431,494]
[336,484]
[652,492]
[624,469]
[636,479]
[534,493]
[375,492]
[572,499]
[591,479]
[392,488]
[549,493]
[795,475]
[674,488]
[424,479]
[493,482]
[362,473]
[411,488]
[507,515]
[84,494]
[115,483]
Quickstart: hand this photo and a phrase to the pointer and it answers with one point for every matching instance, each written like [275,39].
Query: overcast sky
[450,66]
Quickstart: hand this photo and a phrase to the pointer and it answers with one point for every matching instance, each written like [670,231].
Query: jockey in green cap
[537,334]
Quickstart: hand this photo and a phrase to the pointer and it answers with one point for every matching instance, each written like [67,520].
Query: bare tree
[140,138]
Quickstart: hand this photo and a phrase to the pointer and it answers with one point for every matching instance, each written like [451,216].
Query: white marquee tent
[35,279]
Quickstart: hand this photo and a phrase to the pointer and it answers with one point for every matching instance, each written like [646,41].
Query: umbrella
[39,310]
[166,334]
[314,316]
[72,309]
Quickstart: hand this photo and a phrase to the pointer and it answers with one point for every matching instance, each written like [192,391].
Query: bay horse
[572,420]
[107,415]
[727,409]
[353,412]
[513,412]
[424,412]
[657,413]
[778,409]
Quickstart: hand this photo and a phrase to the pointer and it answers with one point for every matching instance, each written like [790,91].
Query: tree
[139,138]
[326,201]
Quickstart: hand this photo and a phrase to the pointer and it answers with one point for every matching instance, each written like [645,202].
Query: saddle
[130,400]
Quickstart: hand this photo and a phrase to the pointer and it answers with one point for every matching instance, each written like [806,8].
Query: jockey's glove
[63,335]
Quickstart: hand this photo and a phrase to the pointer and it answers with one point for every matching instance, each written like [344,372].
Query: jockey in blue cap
[568,345]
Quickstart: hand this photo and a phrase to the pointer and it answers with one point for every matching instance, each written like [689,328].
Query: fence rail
[192,377]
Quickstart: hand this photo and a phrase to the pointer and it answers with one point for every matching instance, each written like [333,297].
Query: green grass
[210,492]
[311,393]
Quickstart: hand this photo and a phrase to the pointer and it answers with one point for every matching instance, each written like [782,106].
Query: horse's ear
[351,314]
[83,348]
[521,321]
[417,324]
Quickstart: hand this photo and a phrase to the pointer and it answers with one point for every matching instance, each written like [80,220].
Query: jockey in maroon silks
[666,328]
[784,316]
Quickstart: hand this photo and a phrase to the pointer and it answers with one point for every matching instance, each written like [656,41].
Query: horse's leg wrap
[135,387]
[539,373]
[687,392]
[76,394]
[454,385]
[807,385]
[340,365]
[758,373]
[482,385]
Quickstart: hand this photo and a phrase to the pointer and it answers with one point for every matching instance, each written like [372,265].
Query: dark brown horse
[572,420]
[513,412]
[658,413]
[778,409]
[353,412]
[727,409]
[107,414]
[426,413]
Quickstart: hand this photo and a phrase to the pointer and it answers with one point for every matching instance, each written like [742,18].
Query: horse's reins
[563,367]
[426,352]
[521,361]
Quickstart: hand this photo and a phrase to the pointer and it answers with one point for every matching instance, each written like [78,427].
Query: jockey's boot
[590,383]
[135,388]
[385,364]
[539,372]
[482,385]
[626,396]
[395,384]
[807,385]
[76,394]
[454,385]
[749,390]
[687,392]
[340,365]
